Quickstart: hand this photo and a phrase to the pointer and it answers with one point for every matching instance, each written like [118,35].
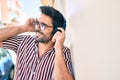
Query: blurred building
[9,10]
[48,2]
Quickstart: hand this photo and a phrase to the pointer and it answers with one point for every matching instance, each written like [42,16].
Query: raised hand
[59,38]
[29,25]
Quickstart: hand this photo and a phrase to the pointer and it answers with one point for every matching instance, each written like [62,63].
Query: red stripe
[26,59]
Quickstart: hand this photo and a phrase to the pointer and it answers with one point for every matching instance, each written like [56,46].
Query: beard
[44,38]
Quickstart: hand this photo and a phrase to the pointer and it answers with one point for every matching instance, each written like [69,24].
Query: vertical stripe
[24,46]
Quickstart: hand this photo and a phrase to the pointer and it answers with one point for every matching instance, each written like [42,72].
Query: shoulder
[25,36]
[66,50]
[66,53]
[20,37]
[28,38]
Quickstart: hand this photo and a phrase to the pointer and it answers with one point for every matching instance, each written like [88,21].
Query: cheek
[49,31]
[48,34]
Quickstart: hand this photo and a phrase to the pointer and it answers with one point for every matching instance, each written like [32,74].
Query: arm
[8,32]
[61,71]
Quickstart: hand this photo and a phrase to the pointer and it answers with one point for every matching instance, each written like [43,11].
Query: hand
[28,26]
[59,38]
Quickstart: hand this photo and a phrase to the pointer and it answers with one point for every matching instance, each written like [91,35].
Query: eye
[43,26]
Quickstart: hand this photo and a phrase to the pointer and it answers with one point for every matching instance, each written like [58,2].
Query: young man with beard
[40,57]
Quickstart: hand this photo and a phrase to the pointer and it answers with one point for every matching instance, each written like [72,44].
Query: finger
[30,20]
[53,39]
[58,30]
[61,30]
[57,34]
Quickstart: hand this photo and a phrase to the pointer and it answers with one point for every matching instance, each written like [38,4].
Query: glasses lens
[42,26]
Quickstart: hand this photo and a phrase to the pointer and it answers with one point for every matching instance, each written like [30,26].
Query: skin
[60,71]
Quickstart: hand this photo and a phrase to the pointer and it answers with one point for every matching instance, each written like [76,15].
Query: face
[44,29]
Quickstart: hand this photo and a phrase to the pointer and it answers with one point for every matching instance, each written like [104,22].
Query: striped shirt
[28,65]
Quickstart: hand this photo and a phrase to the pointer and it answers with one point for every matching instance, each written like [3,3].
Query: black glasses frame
[41,25]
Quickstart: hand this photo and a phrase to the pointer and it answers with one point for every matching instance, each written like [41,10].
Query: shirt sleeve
[13,42]
[68,61]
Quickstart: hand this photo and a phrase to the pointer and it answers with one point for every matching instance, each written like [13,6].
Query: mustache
[39,31]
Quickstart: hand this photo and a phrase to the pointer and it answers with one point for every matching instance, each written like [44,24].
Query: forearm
[60,69]
[8,32]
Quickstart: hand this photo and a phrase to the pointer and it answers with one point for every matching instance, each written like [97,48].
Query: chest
[29,66]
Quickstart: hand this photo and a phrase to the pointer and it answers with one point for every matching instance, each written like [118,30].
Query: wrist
[59,47]
[22,29]
[58,51]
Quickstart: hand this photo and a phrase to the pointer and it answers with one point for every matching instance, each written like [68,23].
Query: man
[40,57]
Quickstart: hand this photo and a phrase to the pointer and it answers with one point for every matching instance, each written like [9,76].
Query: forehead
[45,18]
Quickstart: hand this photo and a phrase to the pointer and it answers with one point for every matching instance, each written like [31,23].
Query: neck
[44,47]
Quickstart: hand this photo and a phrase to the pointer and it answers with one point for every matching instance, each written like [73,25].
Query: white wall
[94,27]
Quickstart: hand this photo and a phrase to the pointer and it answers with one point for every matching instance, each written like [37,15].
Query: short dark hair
[58,19]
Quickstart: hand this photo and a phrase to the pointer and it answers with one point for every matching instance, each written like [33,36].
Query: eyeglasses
[41,25]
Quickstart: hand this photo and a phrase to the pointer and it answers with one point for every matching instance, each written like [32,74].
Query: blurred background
[93,32]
